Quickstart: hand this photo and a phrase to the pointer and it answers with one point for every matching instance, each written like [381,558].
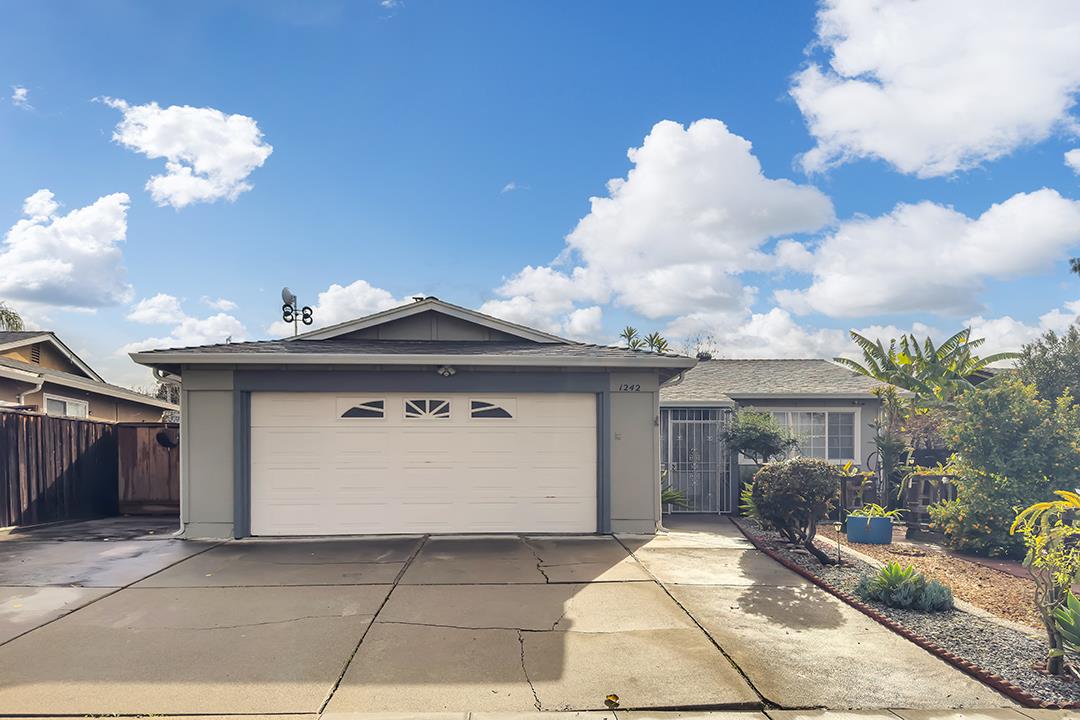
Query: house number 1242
[629,388]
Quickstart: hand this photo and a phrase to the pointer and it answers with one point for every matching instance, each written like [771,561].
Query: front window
[821,434]
[65,407]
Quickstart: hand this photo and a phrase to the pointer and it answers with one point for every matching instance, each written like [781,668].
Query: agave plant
[672,496]
[933,372]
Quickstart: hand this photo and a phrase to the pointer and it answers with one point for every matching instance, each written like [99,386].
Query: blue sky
[444,148]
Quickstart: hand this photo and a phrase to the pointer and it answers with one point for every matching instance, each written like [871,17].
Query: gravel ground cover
[998,649]
[984,587]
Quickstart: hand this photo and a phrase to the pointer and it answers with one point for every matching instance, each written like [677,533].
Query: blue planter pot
[878,531]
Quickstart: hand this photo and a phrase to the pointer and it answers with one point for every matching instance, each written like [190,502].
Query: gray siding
[206,453]
[429,325]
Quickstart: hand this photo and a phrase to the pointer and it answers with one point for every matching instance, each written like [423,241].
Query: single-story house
[827,407]
[424,418]
[39,372]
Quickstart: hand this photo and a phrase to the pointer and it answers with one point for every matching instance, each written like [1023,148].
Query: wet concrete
[88,563]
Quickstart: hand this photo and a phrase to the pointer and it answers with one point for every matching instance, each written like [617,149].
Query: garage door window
[369,410]
[427,409]
[494,410]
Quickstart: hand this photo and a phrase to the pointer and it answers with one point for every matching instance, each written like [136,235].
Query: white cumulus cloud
[932,258]
[1072,159]
[933,87]
[68,260]
[673,235]
[191,331]
[161,309]
[208,154]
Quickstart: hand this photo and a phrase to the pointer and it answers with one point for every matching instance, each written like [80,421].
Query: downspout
[677,380]
[21,397]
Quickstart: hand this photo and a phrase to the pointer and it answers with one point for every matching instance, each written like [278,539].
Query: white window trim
[858,429]
[47,397]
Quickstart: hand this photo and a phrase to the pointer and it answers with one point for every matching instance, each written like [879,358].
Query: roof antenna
[289,312]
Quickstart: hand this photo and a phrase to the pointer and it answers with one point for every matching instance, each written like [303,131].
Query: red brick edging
[993,680]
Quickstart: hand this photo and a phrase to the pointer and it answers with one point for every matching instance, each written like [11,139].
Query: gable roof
[434,305]
[31,373]
[722,381]
[10,340]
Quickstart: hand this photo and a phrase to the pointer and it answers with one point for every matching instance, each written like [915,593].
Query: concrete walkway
[693,619]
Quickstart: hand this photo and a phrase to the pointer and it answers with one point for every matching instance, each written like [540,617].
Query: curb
[995,681]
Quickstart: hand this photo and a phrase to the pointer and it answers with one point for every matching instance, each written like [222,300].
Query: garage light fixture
[446,371]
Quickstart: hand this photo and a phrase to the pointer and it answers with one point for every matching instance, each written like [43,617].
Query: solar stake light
[291,314]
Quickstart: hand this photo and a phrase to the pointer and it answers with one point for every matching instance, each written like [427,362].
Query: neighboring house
[38,372]
[828,408]
[427,418]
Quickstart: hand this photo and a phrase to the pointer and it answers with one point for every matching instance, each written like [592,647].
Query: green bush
[1012,449]
[792,496]
[901,587]
[758,436]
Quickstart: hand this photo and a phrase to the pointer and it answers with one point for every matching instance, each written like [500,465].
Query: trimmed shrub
[792,496]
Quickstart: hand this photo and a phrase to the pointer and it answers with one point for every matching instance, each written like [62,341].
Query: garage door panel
[314,472]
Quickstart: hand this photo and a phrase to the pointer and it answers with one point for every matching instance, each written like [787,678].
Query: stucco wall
[100,407]
[635,452]
[206,453]
[630,454]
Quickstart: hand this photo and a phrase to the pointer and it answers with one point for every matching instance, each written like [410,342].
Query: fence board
[149,468]
[55,468]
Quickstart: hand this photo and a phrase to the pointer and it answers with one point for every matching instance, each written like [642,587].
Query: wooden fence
[149,468]
[55,468]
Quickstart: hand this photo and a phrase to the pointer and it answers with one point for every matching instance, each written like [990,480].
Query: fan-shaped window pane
[370,409]
[420,409]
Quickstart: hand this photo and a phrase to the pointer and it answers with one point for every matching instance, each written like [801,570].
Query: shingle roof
[722,380]
[10,336]
[523,349]
[62,377]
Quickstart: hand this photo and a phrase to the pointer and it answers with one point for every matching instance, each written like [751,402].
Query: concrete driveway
[692,619]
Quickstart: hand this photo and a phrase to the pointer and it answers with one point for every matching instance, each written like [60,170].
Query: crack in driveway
[536,698]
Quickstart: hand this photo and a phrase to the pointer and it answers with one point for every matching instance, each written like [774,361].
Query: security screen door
[693,453]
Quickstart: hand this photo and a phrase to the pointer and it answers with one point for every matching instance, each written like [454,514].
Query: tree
[758,436]
[1052,363]
[934,373]
[654,341]
[1074,265]
[10,320]
[630,336]
[792,496]
[169,392]
[1011,449]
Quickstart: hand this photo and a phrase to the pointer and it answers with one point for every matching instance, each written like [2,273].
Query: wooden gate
[149,472]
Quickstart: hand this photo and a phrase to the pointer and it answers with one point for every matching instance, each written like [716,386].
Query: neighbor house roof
[11,339]
[411,352]
[31,373]
[724,381]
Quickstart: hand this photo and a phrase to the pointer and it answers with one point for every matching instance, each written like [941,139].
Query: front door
[695,458]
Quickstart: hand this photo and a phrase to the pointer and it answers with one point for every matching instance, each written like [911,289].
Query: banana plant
[932,372]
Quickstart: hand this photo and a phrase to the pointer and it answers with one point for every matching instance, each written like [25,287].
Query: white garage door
[328,464]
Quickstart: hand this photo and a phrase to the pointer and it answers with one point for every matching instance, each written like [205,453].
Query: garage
[423,418]
[341,464]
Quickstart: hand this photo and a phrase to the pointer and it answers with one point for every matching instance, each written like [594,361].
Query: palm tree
[10,318]
[938,372]
[630,336]
[656,342]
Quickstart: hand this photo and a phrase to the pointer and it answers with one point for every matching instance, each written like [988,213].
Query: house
[829,408]
[39,372]
[426,418]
